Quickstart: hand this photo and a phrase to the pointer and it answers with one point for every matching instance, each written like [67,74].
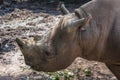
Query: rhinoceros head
[59,49]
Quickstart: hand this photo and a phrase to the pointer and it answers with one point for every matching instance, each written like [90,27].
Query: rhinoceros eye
[47,53]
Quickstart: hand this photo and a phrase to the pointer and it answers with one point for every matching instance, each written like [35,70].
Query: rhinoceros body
[91,32]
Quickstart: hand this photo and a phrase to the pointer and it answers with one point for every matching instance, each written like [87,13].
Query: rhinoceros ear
[62,8]
[86,22]
[82,23]
[20,42]
[74,25]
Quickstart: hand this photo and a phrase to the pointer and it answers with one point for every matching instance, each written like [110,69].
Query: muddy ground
[29,20]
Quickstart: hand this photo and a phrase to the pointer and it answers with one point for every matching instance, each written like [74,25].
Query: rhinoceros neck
[93,40]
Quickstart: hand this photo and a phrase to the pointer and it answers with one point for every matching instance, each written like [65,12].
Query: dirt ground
[29,20]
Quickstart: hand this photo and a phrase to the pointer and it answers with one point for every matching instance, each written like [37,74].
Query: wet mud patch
[6,45]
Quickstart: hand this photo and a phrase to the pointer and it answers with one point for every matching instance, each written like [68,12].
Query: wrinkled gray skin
[94,37]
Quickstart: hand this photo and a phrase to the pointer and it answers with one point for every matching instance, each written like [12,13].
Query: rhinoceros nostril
[28,60]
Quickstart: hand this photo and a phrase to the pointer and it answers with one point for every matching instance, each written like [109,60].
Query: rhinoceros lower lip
[37,67]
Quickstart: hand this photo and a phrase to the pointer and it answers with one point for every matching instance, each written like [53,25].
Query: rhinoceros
[92,32]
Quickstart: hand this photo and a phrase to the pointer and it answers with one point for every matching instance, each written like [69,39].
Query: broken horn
[20,42]
[62,8]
